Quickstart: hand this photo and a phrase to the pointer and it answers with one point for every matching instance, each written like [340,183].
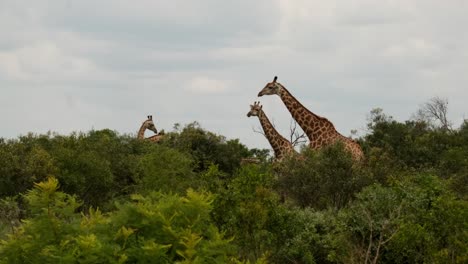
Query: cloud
[108,64]
[205,85]
[42,61]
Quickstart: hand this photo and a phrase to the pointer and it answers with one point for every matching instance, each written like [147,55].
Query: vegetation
[101,197]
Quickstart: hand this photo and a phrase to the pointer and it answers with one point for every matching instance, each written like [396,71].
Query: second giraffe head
[255,109]
[149,124]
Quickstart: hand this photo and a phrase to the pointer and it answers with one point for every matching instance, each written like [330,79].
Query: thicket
[101,197]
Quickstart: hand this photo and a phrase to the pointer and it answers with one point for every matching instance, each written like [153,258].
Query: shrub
[320,179]
[155,228]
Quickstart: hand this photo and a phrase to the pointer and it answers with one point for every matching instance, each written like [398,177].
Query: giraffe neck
[141,132]
[314,126]
[277,141]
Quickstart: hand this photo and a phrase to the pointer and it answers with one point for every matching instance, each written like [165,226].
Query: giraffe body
[320,131]
[281,146]
[155,138]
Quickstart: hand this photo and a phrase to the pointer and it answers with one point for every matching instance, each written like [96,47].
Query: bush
[415,220]
[155,228]
[245,210]
[207,148]
[166,170]
[305,236]
[321,179]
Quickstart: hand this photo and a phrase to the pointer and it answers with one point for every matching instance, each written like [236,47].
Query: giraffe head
[271,88]
[149,124]
[255,109]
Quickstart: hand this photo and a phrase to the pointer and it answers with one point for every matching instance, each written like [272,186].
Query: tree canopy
[102,197]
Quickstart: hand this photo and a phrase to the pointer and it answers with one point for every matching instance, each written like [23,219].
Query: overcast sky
[77,65]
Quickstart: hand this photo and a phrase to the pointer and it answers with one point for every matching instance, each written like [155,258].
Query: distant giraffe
[281,146]
[149,124]
[319,130]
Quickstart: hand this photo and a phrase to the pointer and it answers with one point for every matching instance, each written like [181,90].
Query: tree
[414,220]
[374,218]
[435,112]
[320,179]
[244,209]
[207,148]
[166,170]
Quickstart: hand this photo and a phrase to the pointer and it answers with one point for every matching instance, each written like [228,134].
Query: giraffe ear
[274,79]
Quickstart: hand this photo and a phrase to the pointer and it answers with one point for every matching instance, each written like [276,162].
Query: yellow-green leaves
[48,187]
[124,232]
[156,228]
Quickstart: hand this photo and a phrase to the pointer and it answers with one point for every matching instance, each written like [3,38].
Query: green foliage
[51,225]
[246,208]
[96,166]
[414,143]
[21,164]
[305,236]
[88,175]
[208,148]
[154,228]
[416,220]
[321,179]
[165,169]
[10,215]
[406,203]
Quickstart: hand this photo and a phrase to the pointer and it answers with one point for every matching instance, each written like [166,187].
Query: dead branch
[435,111]
[258,131]
[295,136]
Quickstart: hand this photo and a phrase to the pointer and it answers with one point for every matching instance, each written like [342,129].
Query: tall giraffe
[149,124]
[319,130]
[281,146]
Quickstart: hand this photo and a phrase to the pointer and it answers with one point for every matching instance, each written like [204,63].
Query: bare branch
[295,136]
[435,111]
[259,131]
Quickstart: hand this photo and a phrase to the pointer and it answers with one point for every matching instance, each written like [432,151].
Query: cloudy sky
[75,65]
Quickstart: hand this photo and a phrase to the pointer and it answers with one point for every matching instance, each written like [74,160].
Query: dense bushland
[101,197]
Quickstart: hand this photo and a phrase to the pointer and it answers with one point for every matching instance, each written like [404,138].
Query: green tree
[208,148]
[321,179]
[245,210]
[165,169]
[415,220]
[305,236]
[21,164]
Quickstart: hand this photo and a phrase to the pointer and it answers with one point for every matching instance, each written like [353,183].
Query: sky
[70,65]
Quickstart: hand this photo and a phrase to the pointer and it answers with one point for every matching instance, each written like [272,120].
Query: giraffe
[149,124]
[320,131]
[281,146]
